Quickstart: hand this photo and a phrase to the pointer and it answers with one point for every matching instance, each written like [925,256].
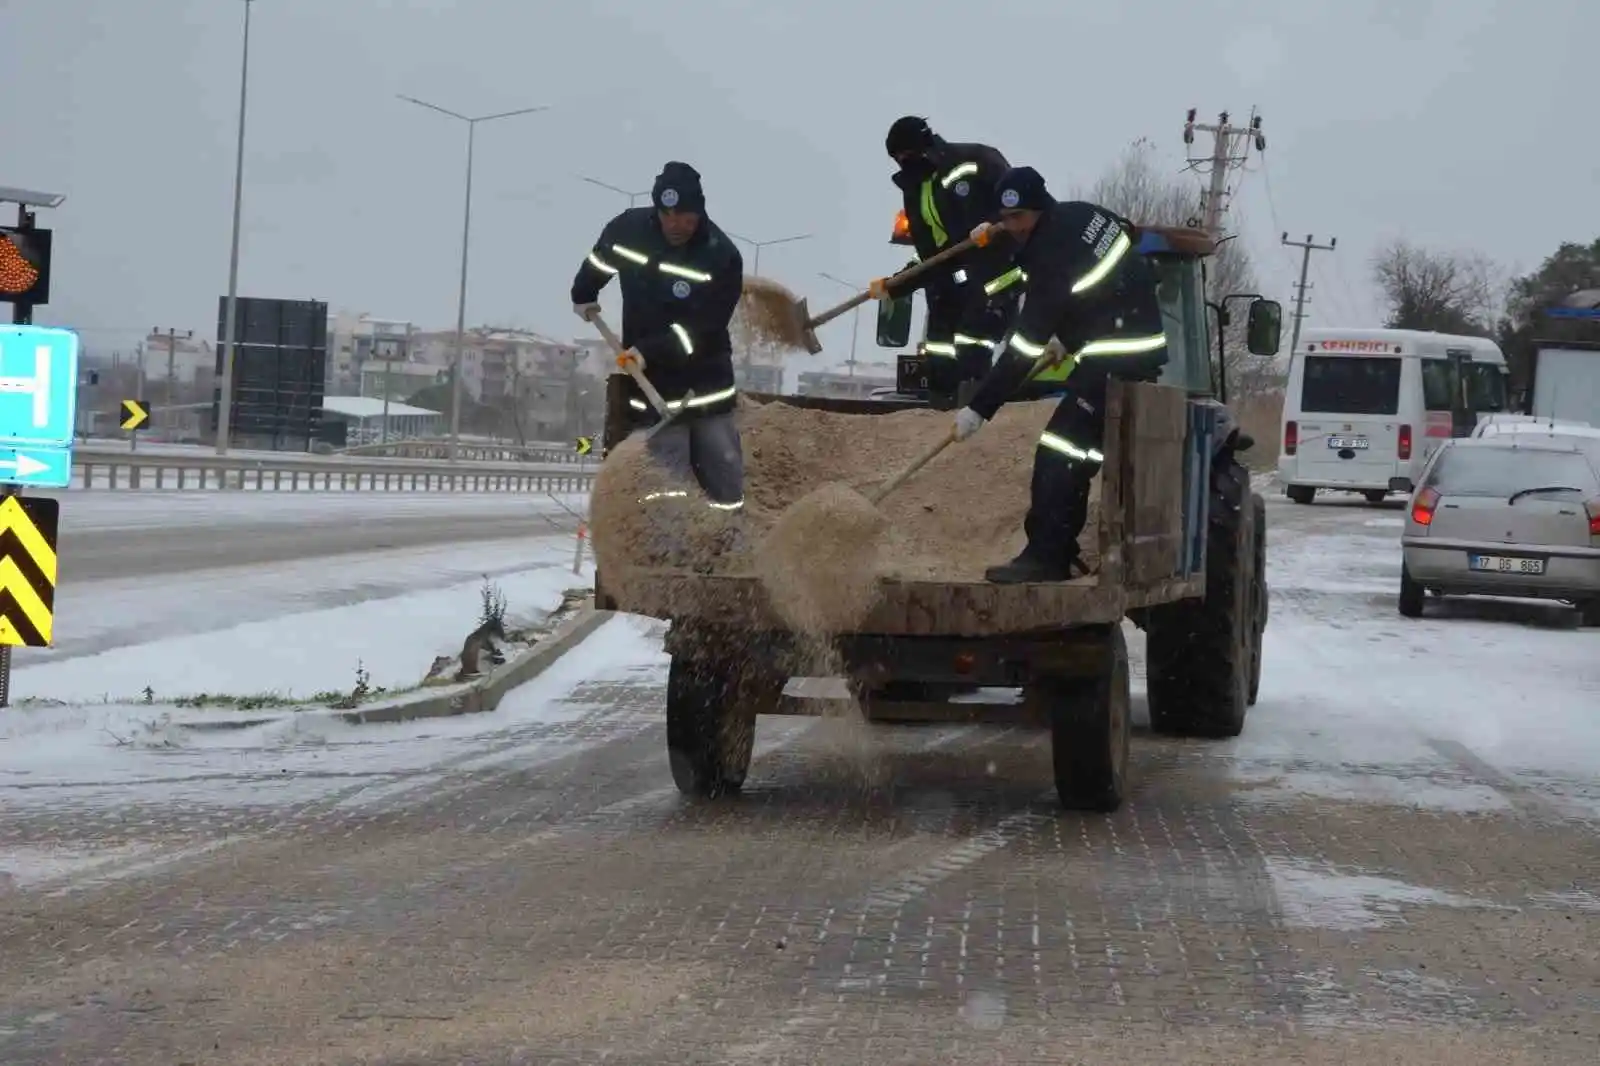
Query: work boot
[1030,569]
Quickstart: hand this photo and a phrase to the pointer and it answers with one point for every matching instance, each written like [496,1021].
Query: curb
[476,697]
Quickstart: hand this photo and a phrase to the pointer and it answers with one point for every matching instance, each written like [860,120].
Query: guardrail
[115,470]
[494,453]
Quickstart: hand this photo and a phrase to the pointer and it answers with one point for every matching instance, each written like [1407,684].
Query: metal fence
[129,471]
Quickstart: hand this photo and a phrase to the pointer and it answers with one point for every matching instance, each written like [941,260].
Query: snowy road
[1397,862]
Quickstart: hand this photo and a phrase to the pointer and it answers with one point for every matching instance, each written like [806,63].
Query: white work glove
[981,232]
[587,312]
[968,422]
[631,356]
[878,289]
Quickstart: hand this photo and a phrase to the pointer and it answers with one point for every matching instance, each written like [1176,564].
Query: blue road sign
[38,387]
[36,467]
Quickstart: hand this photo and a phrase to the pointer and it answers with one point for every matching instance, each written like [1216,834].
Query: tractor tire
[1258,507]
[1091,730]
[712,705]
[1199,659]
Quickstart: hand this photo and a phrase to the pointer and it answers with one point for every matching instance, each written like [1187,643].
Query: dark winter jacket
[1089,287]
[676,305]
[944,201]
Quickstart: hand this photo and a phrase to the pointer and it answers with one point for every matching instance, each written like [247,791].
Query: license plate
[1341,443]
[911,374]
[1505,564]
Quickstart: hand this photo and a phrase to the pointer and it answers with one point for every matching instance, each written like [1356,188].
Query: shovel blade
[808,336]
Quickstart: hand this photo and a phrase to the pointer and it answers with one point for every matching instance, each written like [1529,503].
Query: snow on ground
[395,638]
[83,511]
[94,755]
[1359,703]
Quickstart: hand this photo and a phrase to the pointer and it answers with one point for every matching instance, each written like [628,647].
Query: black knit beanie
[677,188]
[909,134]
[1023,188]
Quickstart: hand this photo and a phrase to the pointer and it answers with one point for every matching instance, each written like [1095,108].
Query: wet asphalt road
[1376,870]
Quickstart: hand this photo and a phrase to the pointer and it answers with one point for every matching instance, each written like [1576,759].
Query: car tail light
[1423,506]
[1593,507]
[1403,446]
[1291,437]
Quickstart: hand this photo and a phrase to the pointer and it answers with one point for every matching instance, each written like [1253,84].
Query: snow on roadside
[152,509]
[394,640]
[83,755]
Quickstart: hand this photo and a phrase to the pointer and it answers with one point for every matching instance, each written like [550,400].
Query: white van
[1366,408]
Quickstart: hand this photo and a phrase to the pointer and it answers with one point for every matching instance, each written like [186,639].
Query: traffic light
[24,266]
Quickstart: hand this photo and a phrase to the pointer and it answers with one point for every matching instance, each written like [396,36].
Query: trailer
[1181,543]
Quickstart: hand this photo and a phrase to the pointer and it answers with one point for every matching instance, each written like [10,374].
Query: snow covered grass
[306,654]
[94,754]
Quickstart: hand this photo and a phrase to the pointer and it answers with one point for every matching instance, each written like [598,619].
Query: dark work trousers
[1065,461]
[702,450]
[970,323]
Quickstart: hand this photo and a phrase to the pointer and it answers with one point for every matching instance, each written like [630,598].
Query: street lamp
[231,312]
[755,268]
[855,317]
[466,231]
[633,197]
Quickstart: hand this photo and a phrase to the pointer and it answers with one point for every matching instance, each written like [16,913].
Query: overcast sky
[1455,123]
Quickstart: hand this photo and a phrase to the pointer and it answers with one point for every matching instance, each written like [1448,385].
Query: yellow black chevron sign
[28,526]
[584,445]
[135,413]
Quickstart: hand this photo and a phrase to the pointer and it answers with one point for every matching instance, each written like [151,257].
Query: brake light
[1291,437]
[1423,506]
[1593,507]
[1403,444]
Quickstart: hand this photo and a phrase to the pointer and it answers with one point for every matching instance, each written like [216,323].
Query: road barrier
[492,453]
[118,470]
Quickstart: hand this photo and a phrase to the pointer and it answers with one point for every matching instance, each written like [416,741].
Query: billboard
[279,366]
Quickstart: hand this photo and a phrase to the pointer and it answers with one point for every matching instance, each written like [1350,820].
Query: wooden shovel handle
[905,275]
[632,369]
[880,494]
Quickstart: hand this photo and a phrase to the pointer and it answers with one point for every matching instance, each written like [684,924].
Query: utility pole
[1306,247]
[1230,149]
[172,365]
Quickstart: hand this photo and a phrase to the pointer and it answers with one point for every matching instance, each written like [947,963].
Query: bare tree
[1451,292]
[1136,188]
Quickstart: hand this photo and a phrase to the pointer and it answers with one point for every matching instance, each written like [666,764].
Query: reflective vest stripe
[1104,267]
[964,170]
[688,273]
[600,264]
[930,215]
[1005,281]
[683,338]
[707,400]
[1070,450]
[943,348]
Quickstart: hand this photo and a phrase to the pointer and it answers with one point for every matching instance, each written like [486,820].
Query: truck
[1181,539]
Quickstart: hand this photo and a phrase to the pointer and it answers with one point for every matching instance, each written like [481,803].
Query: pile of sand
[960,514]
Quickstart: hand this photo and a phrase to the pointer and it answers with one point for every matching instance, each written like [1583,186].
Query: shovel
[791,319]
[665,413]
[878,495]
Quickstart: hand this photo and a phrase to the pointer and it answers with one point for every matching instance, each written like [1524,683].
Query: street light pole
[755,268]
[633,197]
[230,315]
[855,317]
[466,235]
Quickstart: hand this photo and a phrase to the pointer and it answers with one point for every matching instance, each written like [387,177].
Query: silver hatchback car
[1507,515]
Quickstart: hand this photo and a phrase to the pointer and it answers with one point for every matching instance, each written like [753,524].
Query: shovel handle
[632,369]
[881,493]
[907,274]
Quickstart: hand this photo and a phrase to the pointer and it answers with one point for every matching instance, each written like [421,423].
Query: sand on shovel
[819,561]
[772,313]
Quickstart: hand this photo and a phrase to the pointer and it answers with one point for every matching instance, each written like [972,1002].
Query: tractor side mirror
[1263,331]
[894,322]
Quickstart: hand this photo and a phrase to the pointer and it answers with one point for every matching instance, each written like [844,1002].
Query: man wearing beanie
[1090,289]
[681,278]
[949,190]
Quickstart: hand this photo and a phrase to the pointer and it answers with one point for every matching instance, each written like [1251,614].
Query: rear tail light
[1291,437]
[1593,507]
[1423,506]
[1403,446]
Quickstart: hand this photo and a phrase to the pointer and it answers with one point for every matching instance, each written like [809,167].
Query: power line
[1230,150]
[1306,247]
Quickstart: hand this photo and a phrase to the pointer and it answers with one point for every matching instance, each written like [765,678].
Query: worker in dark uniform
[1091,290]
[949,192]
[681,280]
